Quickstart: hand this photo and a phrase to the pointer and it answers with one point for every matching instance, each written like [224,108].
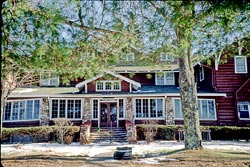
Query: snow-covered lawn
[140,149]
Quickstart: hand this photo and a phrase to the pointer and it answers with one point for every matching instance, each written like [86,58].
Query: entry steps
[114,134]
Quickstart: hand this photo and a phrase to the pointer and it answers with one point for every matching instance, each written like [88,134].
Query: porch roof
[74,92]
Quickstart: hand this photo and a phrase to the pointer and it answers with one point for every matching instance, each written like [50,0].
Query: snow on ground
[91,150]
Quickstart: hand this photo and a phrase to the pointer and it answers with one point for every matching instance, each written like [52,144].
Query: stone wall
[169,112]
[44,113]
[129,110]
[86,110]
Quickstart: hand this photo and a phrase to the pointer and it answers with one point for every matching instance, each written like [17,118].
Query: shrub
[39,133]
[230,133]
[217,132]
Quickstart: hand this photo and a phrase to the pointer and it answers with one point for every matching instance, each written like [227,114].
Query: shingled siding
[227,81]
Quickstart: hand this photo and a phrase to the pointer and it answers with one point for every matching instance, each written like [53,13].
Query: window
[206,109]
[240,63]
[164,78]
[95,107]
[130,57]
[49,79]
[121,108]
[243,110]
[165,57]
[149,108]
[201,73]
[108,86]
[66,108]
[21,110]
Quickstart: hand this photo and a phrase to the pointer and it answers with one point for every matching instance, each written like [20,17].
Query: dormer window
[108,86]
[129,57]
[240,64]
[166,57]
[164,78]
[49,79]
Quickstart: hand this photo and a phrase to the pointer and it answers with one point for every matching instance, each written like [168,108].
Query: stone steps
[108,134]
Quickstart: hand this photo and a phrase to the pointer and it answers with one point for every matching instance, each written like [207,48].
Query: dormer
[128,57]
[49,78]
[108,82]
[166,57]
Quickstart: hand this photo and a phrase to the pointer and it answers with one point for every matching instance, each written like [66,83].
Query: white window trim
[130,57]
[166,57]
[112,85]
[199,99]
[240,103]
[165,78]
[66,109]
[56,78]
[23,120]
[149,118]
[201,73]
[235,64]
[98,109]
[118,113]
[173,102]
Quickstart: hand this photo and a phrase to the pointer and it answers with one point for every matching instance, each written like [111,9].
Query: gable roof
[134,83]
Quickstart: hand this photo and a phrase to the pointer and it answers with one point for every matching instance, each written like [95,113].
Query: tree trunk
[188,93]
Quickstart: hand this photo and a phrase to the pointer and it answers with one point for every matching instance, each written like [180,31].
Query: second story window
[240,64]
[129,57]
[166,57]
[201,73]
[49,79]
[164,78]
[108,86]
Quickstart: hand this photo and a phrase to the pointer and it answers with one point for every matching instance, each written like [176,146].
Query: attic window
[240,64]
[49,79]
[108,86]
[128,57]
[166,57]
[164,78]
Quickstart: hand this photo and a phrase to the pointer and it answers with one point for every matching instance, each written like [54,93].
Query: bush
[230,133]
[38,133]
[217,132]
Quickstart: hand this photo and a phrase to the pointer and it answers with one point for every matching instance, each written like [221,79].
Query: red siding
[142,78]
[91,87]
[125,86]
[227,81]
[244,93]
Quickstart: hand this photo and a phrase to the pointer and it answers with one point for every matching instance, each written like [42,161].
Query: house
[135,94]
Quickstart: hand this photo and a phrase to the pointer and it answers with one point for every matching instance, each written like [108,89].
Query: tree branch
[158,10]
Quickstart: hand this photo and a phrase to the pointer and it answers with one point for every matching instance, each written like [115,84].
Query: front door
[108,115]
